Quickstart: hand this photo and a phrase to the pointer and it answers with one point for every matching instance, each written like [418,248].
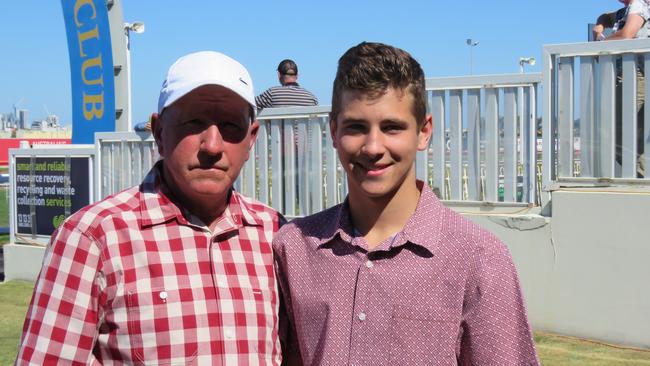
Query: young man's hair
[372,68]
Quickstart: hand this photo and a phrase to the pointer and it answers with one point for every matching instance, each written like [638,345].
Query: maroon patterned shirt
[132,280]
[440,292]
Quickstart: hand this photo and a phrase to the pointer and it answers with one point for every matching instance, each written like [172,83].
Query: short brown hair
[371,68]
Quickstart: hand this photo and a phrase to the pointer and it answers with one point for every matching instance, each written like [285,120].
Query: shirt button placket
[361,296]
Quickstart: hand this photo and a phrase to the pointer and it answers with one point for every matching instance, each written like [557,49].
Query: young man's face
[377,140]
[205,138]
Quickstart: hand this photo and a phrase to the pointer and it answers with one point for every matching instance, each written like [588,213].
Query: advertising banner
[91,68]
[12,143]
[49,189]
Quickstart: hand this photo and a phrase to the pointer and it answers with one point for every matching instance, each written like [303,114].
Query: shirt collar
[157,208]
[429,213]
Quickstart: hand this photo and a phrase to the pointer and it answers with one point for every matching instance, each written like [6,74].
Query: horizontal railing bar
[294,112]
[598,48]
[483,81]
[600,181]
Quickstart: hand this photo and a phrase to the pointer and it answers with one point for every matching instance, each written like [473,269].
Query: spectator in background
[606,21]
[630,22]
[145,126]
[289,93]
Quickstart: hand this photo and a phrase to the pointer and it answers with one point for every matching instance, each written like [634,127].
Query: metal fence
[293,166]
[485,153]
[584,86]
[122,159]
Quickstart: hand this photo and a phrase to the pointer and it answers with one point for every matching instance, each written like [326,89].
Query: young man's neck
[378,218]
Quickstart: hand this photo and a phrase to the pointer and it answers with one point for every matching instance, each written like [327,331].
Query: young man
[178,270]
[391,276]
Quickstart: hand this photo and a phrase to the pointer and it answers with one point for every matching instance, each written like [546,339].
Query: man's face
[377,140]
[204,138]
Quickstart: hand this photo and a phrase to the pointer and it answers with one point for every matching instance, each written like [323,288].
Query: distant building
[51,122]
[22,120]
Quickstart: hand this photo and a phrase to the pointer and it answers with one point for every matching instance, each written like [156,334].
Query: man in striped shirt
[289,93]
[178,270]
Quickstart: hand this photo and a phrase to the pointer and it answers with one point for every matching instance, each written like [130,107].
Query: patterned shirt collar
[429,210]
[157,208]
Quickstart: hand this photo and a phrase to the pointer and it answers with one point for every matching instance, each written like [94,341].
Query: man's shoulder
[88,218]
[639,7]
[316,227]
[259,211]
[464,235]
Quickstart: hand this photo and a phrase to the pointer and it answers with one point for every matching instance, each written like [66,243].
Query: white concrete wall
[23,262]
[587,273]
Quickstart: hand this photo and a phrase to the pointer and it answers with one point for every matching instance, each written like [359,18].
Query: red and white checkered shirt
[131,280]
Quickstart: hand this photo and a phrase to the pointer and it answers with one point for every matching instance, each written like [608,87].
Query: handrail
[602,77]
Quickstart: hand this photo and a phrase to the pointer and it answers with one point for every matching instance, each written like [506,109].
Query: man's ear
[156,128]
[253,129]
[424,133]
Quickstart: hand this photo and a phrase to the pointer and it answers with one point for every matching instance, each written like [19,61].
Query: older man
[178,270]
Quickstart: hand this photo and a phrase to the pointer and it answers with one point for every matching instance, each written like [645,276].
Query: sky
[35,70]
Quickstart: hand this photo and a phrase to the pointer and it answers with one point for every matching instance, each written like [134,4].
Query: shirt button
[163,295]
[369,264]
[362,316]
[229,334]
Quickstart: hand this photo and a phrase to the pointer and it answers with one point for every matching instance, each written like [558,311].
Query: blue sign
[91,68]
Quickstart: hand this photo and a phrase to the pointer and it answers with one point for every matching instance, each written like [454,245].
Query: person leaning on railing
[629,22]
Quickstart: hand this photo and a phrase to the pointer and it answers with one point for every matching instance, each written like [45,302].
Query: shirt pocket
[423,335]
[163,326]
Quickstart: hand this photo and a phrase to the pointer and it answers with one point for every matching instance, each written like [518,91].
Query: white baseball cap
[205,68]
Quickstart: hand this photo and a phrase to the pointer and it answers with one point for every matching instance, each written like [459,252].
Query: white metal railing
[294,168]
[490,147]
[583,83]
[122,160]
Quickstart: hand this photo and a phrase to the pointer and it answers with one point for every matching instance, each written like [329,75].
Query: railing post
[474,144]
[491,144]
[456,142]
[607,128]
[587,117]
[437,108]
[548,138]
[565,117]
[629,121]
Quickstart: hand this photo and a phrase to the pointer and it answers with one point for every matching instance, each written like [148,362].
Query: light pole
[525,60]
[471,43]
[137,27]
